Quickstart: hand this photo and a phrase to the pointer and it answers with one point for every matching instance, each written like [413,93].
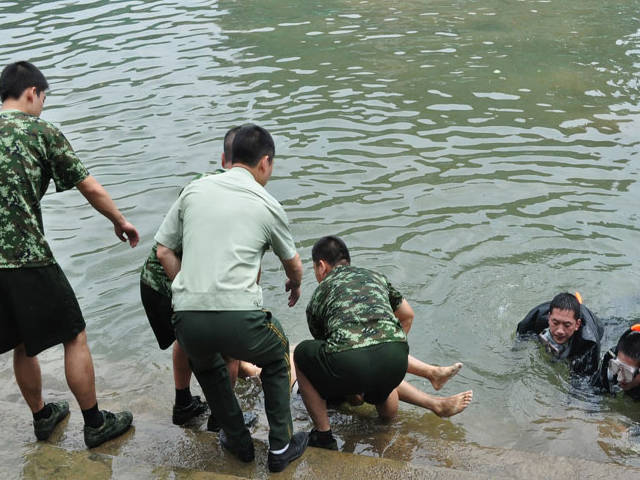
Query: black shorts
[159,312]
[37,308]
[373,371]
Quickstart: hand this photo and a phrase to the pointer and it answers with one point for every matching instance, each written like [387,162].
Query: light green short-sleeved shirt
[224,225]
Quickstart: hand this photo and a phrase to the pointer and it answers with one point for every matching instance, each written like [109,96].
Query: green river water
[483,155]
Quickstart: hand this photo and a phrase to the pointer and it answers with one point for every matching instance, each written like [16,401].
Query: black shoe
[250,419]
[246,454]
[297,446]
[44,428]
[182,414]
[113,425]
[316,440]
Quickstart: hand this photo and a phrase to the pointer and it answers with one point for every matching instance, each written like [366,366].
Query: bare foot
[453,405]
[441,375]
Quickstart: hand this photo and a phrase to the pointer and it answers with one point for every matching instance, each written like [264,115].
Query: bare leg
[29,378]
[438,376]
[247,369]
[78,368]
[442,406]
[182,371]
[389,409]
[181,368]
[316,405]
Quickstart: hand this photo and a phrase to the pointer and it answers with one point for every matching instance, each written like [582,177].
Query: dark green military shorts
[374,371]
[37,308]
[159,312]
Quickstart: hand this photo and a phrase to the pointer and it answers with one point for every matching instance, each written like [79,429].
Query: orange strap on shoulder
[636,327]
[579,297]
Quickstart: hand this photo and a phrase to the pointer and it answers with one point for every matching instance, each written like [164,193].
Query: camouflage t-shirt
[153,274]
[32,152]
[353,308]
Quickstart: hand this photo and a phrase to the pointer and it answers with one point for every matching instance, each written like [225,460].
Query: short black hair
[630,346]
[228,141]
[566,301]
[332,250]
[250,144]
[17,77]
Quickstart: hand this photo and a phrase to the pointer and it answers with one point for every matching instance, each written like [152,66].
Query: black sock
[93,417]
[325,437]
[42,414]
[183,397]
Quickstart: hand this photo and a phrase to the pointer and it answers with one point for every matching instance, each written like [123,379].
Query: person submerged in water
[620,367]
[569,330]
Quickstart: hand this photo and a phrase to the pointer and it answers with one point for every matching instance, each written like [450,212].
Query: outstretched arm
[404,313]
[99,199]
[293,270]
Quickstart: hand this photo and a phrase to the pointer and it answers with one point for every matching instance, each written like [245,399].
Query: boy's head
[629,355]
[564,317]
[17,77]
[327,253]
[228,143]
[24,87]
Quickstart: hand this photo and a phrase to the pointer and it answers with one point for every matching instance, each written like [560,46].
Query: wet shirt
[353,308]
[153,274]
[584,351]
[32,153]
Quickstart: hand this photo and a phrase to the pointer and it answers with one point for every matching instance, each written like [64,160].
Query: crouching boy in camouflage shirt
[360,346]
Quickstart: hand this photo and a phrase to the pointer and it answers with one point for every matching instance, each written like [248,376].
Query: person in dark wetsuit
[620,367]
[570,331]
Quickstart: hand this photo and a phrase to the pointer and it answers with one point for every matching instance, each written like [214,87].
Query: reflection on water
[480,154]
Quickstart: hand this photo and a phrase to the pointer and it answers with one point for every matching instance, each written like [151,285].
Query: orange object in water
[579,297]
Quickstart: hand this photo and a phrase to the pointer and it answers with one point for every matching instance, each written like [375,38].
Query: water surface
[483,155]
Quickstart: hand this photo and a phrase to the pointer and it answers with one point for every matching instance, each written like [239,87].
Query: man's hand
[101,201]
[127,232]
[294,292]
[293,269]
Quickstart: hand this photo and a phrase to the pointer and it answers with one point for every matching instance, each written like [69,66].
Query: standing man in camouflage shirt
[38,308]
[359,322]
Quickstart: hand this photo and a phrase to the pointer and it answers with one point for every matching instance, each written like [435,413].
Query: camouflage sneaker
[182,415]
[114,425]
[250,419]
[44,428]
[316,441]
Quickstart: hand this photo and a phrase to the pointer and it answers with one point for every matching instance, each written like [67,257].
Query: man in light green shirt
[224,224]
